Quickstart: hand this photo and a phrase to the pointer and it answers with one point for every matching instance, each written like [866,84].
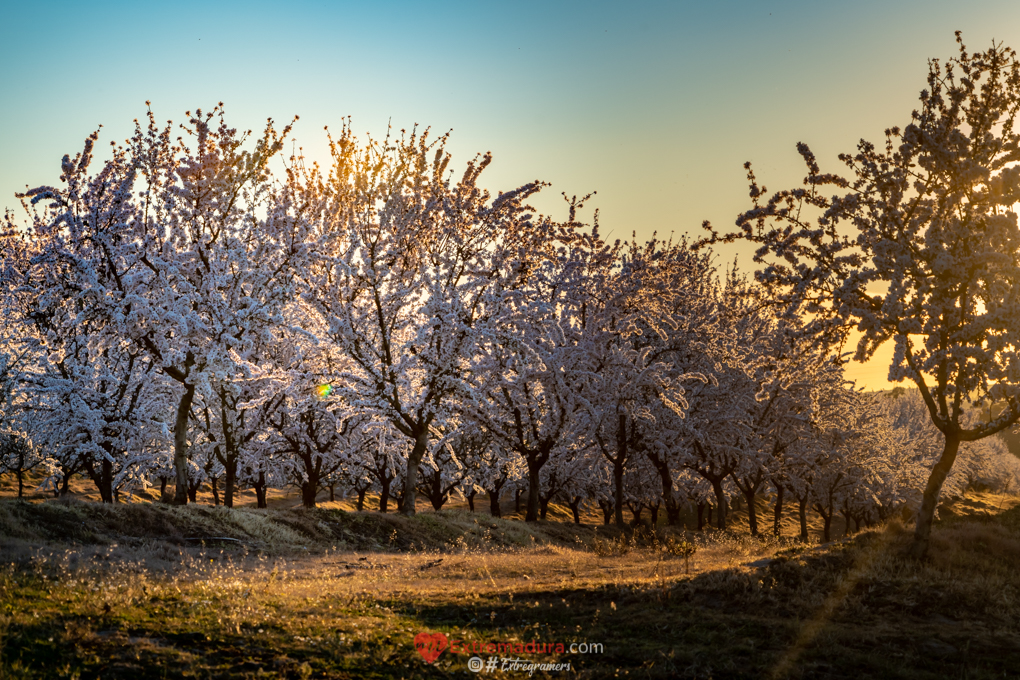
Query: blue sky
[655,105]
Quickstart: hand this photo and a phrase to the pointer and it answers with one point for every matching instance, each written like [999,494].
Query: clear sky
[655,105]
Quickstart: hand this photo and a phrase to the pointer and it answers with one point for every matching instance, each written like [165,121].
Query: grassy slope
[122,592]
[290,498]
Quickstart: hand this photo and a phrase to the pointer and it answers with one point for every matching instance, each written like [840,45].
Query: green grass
[313,594]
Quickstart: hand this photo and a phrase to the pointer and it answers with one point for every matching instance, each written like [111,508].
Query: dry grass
[330,594]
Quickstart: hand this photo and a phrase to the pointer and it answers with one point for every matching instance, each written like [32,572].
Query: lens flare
[324,391]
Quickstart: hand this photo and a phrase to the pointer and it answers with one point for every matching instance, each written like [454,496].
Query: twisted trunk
[930,500]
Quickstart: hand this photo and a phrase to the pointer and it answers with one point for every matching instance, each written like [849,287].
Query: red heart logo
[430,645]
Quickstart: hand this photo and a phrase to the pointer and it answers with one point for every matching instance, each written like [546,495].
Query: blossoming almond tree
[523,387]
[919,245]
[167,246]
[19,354]
[642,328]
[789,377]
[99,406]
[19,344]
[406,262]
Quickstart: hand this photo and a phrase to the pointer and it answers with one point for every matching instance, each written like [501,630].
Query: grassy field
[153,591]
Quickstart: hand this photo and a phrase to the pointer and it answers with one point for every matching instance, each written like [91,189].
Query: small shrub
[680,548]
[611,547]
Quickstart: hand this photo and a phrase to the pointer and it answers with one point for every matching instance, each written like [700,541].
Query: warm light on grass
[284,603]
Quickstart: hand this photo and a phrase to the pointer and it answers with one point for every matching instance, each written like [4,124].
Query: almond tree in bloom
[918,246]
[789,378]
[715,440]
[443,470]
[643,325]
[19,353]
[179,250]
[523,388]
[99,407]
[406,263]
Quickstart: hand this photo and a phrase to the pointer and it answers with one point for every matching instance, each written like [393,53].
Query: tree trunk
[494,508]
[826,522]
[517,499]
[618,462]
[471,500]
[308,493]
[103,478]
[752,513]
[666,480]
[635,512]
[229,480]
[361,499]
[777,519]
[618,491]
[332,492]
[260,490]
[106,481]
[21,481]
[407,502]
[930,500]
[701,516]
[214,483]
[607,511]
[720,499]
[802,511]
[435,488]
[310,487]
[533,490]
[672,512]
[162,487]
[575,508]
[181,445]
[384,494]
